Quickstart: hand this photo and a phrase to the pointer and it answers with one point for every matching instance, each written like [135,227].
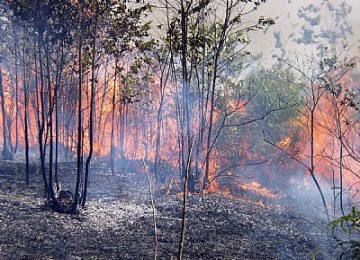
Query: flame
[135,130]
[256,188]
[326,140]
[213,186]
[285,142]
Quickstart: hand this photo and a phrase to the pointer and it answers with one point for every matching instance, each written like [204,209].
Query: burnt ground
[117,224]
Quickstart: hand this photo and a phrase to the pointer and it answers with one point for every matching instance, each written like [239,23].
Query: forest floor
[118,224]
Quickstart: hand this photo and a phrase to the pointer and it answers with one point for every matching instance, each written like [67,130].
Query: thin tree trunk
[26,130]
[92,111]
[6,154]
[101,137]
[16,92]
[79,162]
[217,53]
[55,108]
[341,150]
[185,124]
[158,132]
[50,123]
[312,153]
[122,129]
[112,144]
[40,111]
[184,206]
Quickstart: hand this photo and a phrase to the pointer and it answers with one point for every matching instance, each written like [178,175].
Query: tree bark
[92,109]
[6,154]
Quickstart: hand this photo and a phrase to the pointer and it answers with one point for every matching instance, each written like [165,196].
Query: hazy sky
[299,23]
[291,28]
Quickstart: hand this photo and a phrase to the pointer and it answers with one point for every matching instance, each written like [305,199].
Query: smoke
[305,198]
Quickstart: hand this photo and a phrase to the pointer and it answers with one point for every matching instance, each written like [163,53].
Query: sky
[301,27]
[322,27]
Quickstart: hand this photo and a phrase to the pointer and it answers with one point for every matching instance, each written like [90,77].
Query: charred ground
[117,224]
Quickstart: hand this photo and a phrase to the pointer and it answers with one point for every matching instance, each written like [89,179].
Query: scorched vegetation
[153,126]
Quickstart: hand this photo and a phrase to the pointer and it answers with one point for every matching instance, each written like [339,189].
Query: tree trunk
[26,130]
[92,110]
[16,92]
[40,109]
[158,132]
[6,154]
[112,137]
[79,162]
[50,123]
[312,149]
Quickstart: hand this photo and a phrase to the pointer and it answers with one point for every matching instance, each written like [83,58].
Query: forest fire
[139,137]
[257,189]
[118,127]
[162,113]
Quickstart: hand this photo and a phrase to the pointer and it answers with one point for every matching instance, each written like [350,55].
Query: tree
[204,38]
[317,79]
[267,104]
[6,154]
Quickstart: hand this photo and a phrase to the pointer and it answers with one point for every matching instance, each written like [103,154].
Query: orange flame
[256,188]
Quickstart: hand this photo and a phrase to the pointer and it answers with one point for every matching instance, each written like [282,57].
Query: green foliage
[332,71]
[125,32]
[350,226]
[349,223]
[264,90]
[213,32]
[276,88]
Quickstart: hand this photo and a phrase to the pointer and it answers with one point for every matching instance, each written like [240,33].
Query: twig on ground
[153,209]
[182,232]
